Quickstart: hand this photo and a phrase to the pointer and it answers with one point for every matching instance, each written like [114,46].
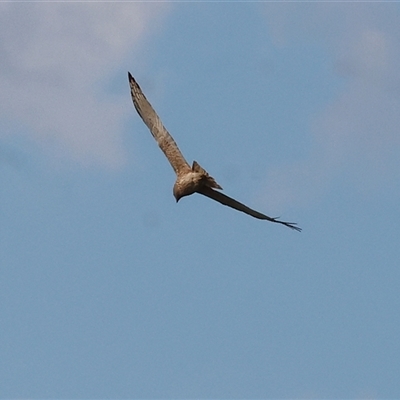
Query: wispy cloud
[54,56]
[357,133]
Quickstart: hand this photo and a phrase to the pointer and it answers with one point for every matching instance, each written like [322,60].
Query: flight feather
[151,119]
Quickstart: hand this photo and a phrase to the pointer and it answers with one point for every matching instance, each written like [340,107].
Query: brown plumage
[193,179]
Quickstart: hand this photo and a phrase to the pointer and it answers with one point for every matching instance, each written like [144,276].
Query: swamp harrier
[192,179]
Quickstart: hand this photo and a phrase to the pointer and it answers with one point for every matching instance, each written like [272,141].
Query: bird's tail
[210,181]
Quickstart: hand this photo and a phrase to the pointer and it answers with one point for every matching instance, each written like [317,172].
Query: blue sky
[109,289]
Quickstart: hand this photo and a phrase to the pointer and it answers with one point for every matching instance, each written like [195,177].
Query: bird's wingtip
[293,226]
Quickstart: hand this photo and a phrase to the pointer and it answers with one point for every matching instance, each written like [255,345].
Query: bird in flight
[190,179]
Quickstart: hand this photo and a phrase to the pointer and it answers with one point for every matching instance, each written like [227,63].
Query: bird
[189,179]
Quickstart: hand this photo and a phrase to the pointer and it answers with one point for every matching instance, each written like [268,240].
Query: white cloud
[357,135]
[53,56]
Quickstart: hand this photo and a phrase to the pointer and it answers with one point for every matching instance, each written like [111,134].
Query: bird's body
[193,179]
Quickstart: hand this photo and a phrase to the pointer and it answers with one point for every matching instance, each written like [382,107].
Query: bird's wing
[151,119]
[228,201]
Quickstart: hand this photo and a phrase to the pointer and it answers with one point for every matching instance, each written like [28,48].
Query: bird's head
[178,194]
[181,191]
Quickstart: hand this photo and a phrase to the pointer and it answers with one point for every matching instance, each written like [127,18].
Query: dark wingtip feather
[132,79]
[291,225]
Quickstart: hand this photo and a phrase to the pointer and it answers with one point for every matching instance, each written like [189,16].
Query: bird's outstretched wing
[151,119]
[228,201]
